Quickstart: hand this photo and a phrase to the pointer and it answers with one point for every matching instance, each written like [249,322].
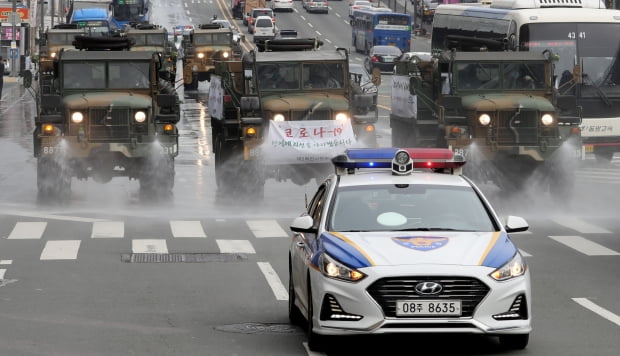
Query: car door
[305,246]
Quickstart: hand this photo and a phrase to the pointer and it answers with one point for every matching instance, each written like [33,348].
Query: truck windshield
[148,40]
[120,75]
[213,39]
[323,75]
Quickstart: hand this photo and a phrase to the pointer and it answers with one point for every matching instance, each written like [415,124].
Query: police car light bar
[400,160]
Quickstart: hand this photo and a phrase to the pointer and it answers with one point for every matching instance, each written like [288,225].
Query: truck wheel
[53,180]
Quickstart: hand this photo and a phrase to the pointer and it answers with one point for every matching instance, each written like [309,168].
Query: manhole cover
[181,257]
[259,328]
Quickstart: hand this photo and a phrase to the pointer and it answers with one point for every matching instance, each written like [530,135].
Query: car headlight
[225,54]
[547,119]
[140,116]
[278,117]
[334,269]
[484,119]
[201,55]
[77,117]
[514,268]
[53,55]
[341,116]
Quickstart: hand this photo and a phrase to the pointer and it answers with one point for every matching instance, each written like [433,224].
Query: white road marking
[6,262]
[318,33]
[28,230]
[149,246]
[235,246]
[187,229]
[310,352]
[309,24]
[586,303]
[274,281]
[2,272]
[108,229]
[585,246]
[580,225]
[49,216]
[61,250]
[525,254]
[266,228]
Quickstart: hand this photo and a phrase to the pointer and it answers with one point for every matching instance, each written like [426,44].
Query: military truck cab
[499,109]
[105,114]
[203,46]
[281,114]
[154,38]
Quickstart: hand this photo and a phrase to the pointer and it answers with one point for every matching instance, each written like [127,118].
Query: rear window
[258,13]
[263,23]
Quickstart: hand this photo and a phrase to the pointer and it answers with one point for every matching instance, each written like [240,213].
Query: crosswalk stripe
[108,229]
[6,262]
[149,246]
[276,285]
[586,303]
[235,246]
[28,230]
[60,250]
[580,225]
[585,246]
[266,228]
[187,229]
[2,272]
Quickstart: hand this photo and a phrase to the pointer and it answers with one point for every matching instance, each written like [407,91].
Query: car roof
[380,177]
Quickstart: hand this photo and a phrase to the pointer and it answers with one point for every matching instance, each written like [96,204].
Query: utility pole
[13,52]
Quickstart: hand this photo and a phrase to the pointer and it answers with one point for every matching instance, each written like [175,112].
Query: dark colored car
[382,57]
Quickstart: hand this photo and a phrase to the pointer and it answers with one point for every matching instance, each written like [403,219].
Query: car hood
[125,99]
[367,249]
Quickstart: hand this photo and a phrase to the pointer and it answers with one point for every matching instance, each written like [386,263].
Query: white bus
[584,34]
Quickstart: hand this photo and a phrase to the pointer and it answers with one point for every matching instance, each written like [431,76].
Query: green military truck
[499,109]
[154,38]
[282,114]
[203,46]
[105,113]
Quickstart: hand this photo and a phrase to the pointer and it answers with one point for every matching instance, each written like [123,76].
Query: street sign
[13,53]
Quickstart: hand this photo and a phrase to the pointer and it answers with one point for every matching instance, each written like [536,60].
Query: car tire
[316,342]
[514,342]
[294,314]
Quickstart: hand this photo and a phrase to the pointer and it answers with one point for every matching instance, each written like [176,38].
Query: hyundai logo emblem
[426,288]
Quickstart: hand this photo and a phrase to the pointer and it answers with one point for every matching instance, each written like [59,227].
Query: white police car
[394,243]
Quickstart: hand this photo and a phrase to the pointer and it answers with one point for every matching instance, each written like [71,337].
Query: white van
[264,28]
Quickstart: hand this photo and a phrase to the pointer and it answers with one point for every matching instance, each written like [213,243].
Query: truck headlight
[53,55]
[514,268]
[225,54]
[547,119]
[334,269]
[278,117]
[77,117]
[484,119]
[201,55]
[341,116]
[140,116]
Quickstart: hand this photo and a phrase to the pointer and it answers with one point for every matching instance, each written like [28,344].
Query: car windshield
[409,207]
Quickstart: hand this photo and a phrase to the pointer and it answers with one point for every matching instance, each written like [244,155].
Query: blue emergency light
[401,161]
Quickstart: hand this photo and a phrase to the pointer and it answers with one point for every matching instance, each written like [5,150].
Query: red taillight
[227,99]
[375,59]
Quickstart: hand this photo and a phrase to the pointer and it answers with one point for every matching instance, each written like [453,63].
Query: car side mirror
[516,224]
[303,223]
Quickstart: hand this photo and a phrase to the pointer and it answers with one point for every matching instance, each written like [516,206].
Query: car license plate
[449,307]
[388,59]
[589,148]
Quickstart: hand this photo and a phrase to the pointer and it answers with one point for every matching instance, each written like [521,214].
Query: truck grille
[523,129]
[104,124]
[315,115]
[387,291]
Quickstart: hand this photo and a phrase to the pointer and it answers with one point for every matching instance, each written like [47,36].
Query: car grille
[524,129]
[387,291]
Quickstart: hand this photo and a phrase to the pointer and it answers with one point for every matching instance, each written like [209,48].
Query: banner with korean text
[403,103]
[290,142]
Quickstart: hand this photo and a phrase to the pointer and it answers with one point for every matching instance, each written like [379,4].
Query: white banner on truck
[403,103]
[291,142]
[216,98]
